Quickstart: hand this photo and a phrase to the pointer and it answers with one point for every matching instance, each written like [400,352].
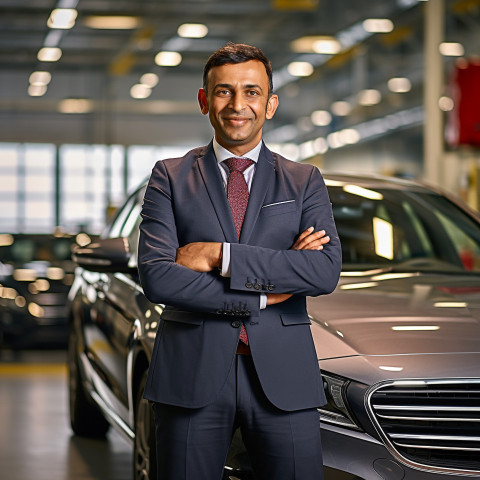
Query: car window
[406,230]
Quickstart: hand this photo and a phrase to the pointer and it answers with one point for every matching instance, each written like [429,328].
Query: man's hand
[310,240]
[200,256]
[307,240]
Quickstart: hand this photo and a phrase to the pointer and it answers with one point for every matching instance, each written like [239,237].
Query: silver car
[398,342]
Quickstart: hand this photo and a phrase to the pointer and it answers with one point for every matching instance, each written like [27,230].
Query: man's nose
[237,103]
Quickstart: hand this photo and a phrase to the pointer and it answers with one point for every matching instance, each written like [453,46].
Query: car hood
[398,315]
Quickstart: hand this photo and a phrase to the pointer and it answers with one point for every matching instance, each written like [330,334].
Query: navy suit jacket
[199,329]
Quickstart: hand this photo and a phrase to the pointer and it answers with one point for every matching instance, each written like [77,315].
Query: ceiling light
[168,59]
[321,118]
[369,97]
[316,44]
[149,79]
[341,108]
[300,69]
[140,91]
[415,328]
[62,18]
[377,25]
[37,90]
[192,30]
[112,22]
[40,78]
[75,105]
[399,85]
[49,54]
[446,104]
[451,49]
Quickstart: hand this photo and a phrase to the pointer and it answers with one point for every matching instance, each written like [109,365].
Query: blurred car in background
[36,272]
[398,341]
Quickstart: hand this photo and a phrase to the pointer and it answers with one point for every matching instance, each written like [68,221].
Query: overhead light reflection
[450,304]
[383,238]
[300,69]
[358,286]
[192,30]
[363,192]
[49,54]
[63,18]
[390,369]
[377,25]
[415,328]
[168,59]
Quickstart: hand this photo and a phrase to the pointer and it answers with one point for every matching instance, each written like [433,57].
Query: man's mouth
[236,121]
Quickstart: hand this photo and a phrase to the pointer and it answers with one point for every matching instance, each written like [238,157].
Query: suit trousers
[192,444]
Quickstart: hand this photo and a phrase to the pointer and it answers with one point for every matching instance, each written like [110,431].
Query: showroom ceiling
[99,66]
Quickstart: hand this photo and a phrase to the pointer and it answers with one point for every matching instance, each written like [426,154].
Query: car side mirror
[104,255]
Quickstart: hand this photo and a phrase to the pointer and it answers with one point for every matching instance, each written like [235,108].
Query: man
[234,348]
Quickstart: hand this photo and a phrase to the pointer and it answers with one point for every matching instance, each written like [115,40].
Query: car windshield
[404,230]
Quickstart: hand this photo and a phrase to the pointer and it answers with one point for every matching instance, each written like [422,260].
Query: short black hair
[237,53]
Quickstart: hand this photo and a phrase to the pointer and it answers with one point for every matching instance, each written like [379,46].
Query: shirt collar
[222,153]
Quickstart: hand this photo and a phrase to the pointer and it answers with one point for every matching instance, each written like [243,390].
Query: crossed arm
[206,256]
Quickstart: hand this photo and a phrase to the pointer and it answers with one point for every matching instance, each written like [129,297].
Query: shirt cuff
[225,267]
[263,301]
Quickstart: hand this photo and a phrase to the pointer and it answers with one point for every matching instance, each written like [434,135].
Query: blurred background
[93,92]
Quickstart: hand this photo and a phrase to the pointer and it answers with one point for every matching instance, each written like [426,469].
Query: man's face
[237,104]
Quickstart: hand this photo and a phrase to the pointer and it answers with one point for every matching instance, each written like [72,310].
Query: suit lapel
[214,184]
[264,177]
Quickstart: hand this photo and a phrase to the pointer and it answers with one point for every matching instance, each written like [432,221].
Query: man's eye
[223,92]
[253,93]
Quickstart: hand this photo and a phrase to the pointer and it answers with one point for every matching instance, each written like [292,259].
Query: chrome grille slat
[428,424]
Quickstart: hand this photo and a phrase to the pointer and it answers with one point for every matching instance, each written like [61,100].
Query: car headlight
[335,411]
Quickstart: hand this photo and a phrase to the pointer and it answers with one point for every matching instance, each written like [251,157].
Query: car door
[112,327]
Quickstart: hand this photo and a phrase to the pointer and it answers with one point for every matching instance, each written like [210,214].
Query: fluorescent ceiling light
[300,69]
[321,118]
[40,78]
[149,79]
[316,44]
[75,105]
[369,97]
[140,91]
[377,25]
[399,85]
[112,22]
[49,54]
[168,59]
[341,108]
[451,49]
[192,30]
[62,18]
[37,90]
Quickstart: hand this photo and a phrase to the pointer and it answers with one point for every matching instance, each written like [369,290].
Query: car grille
[431,425]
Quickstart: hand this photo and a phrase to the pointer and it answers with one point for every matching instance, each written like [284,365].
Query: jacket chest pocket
[278,208]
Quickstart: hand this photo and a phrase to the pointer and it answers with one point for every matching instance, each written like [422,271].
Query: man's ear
[202,101]
[272,105]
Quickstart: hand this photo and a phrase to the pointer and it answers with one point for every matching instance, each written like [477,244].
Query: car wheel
[85,418]
[145,453]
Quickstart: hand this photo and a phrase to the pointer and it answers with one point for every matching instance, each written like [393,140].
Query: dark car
[36,273]
[398,341]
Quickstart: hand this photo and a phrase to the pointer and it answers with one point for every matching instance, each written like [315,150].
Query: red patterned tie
[237,193]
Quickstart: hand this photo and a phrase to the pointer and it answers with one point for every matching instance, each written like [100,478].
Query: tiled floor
[36,442]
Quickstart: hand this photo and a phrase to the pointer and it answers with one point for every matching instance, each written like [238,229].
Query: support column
[433,84]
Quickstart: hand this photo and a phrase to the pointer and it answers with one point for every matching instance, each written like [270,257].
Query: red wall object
[463,123]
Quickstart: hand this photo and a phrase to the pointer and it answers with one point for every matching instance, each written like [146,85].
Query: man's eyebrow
[245,87]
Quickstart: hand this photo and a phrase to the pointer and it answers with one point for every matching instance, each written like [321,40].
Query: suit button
[249,285]
[257,286]
[270,287]
[236,323]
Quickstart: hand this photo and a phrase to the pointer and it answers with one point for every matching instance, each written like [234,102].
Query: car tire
[86,419]
[144,451]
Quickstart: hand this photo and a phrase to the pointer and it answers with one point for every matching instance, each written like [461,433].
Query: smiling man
[233,238]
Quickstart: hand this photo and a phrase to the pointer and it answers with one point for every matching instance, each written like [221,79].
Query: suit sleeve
[163,280]
[300,272]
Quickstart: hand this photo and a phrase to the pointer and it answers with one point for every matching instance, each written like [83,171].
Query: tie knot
[238,164]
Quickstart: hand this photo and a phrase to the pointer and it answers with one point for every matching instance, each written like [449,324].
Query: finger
[313,237]
[303,235]
[316,245]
